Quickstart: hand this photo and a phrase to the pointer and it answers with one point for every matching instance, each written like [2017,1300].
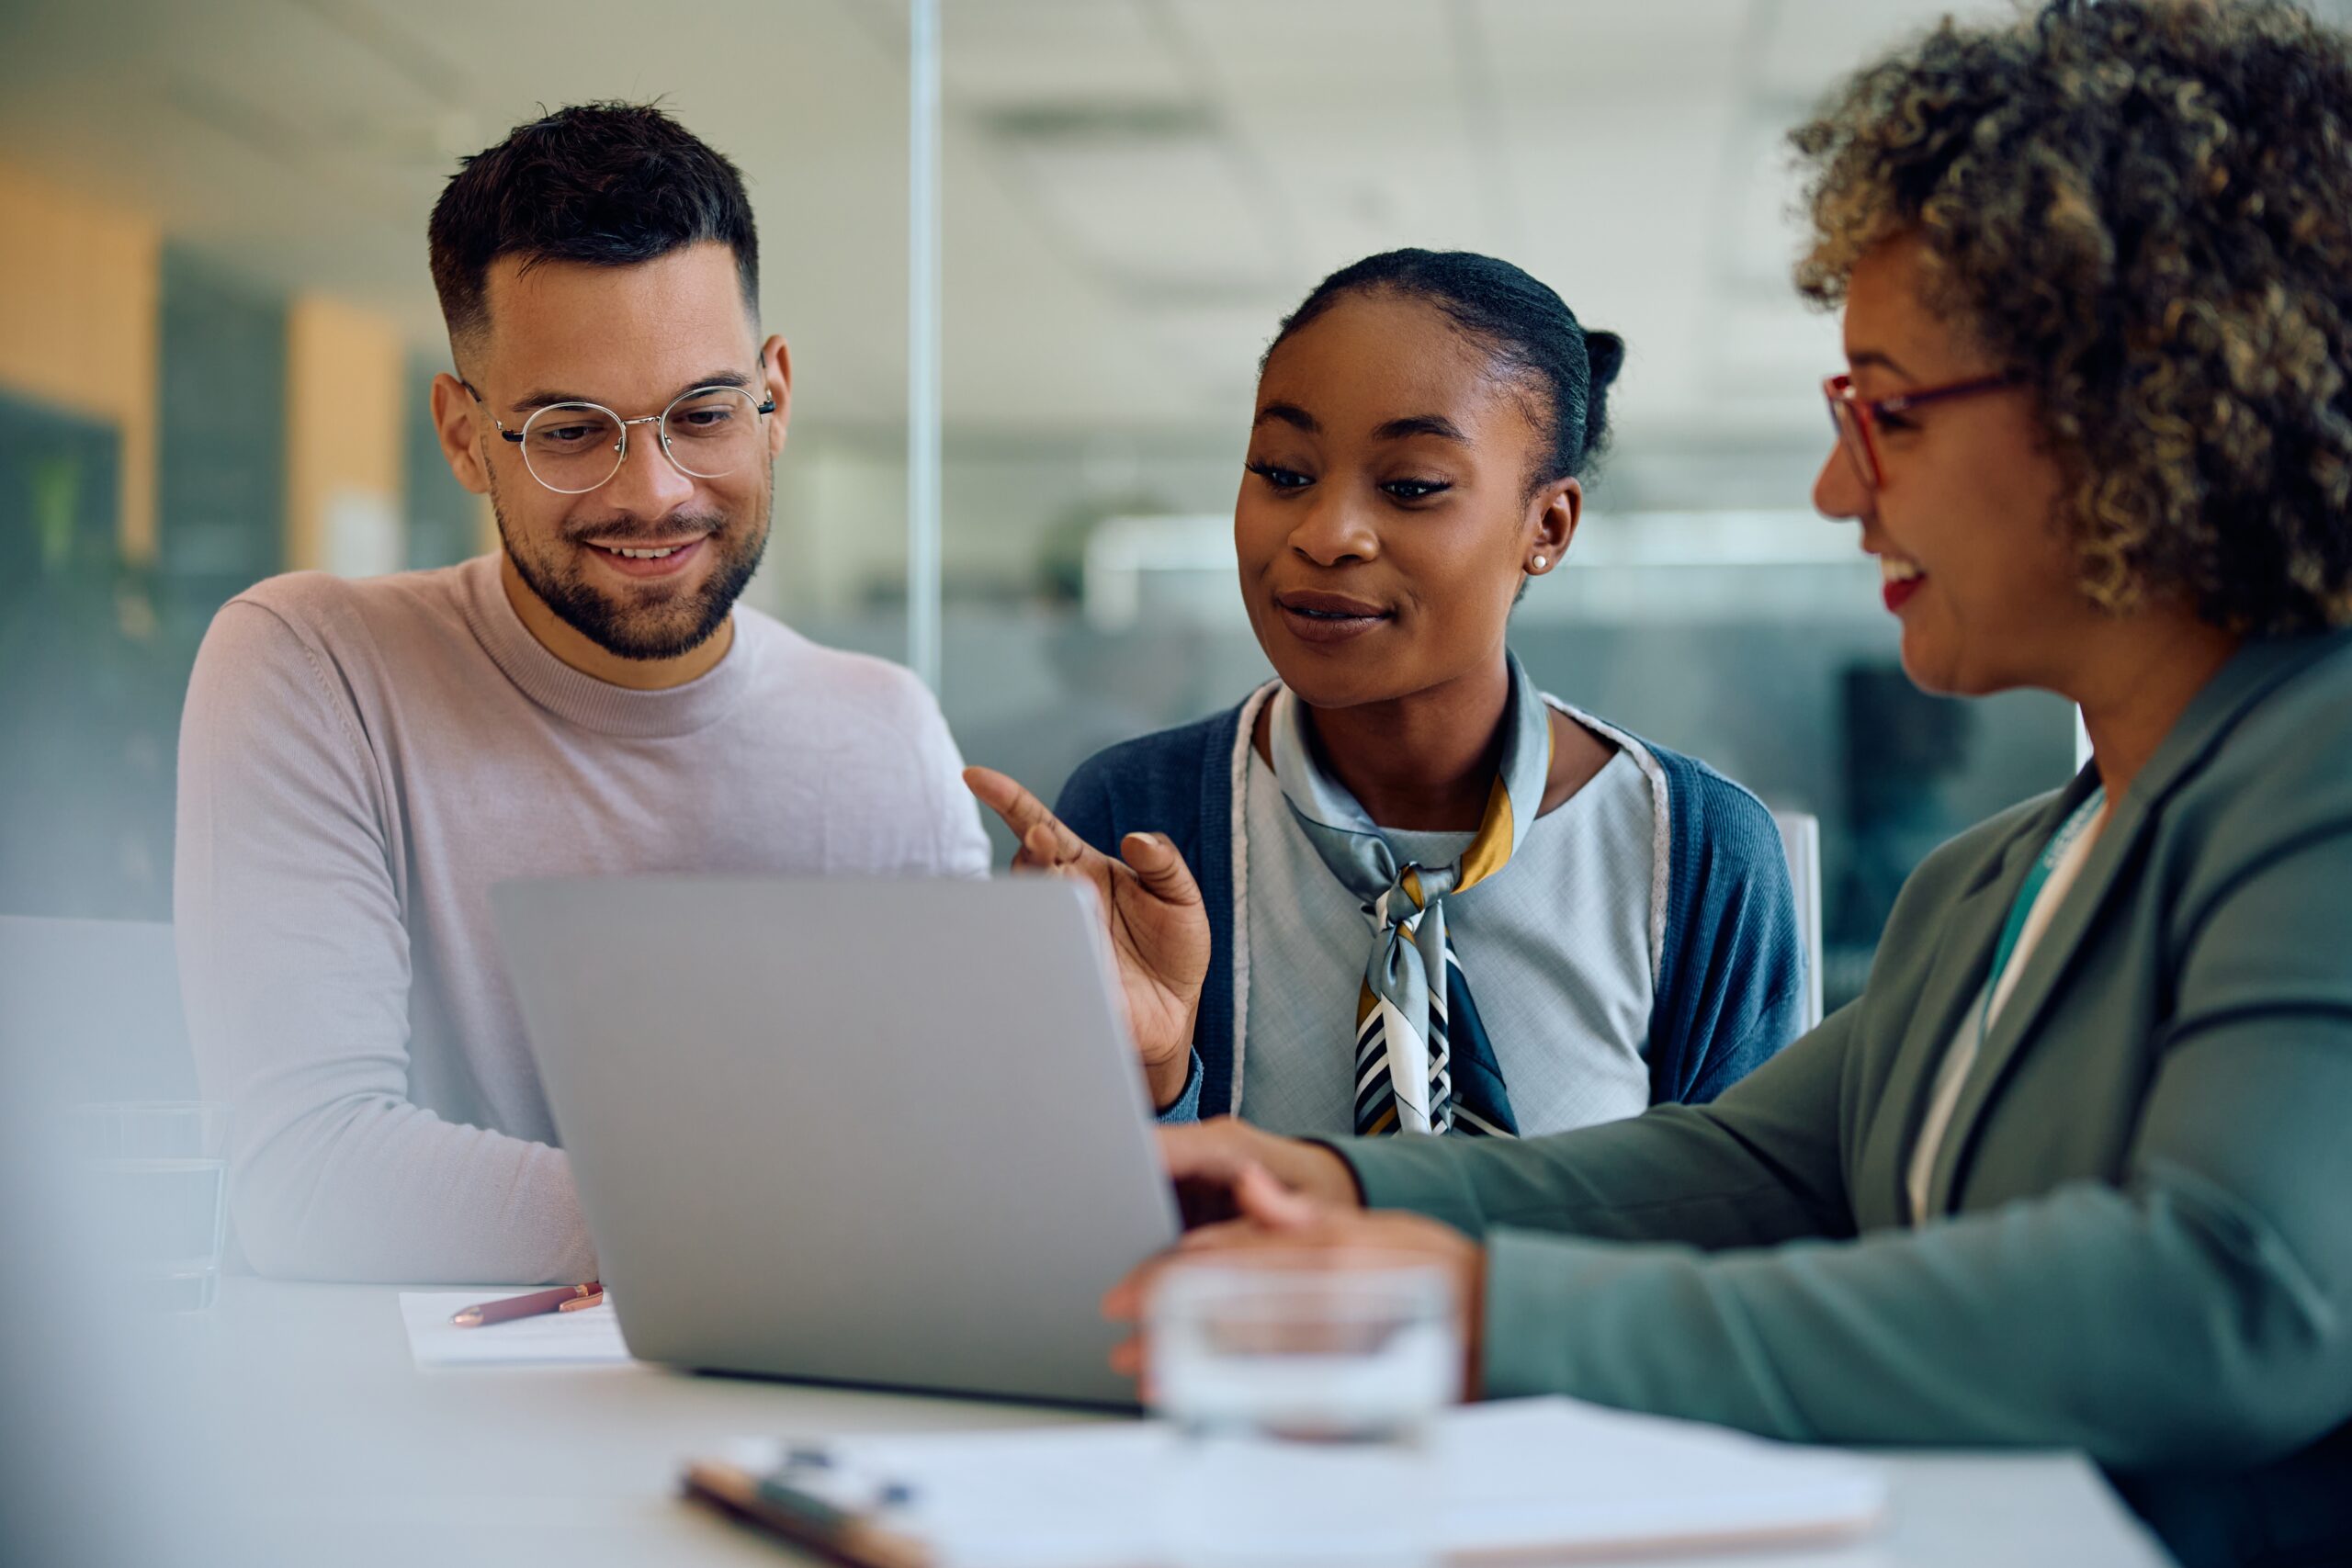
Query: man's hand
[1159,928]
[1274,1216]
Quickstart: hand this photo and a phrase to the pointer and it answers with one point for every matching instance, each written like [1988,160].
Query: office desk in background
[338,1450]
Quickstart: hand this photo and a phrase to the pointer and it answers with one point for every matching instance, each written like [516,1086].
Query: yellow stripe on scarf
[1490,851]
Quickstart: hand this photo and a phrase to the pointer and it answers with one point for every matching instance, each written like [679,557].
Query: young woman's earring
[1539,563]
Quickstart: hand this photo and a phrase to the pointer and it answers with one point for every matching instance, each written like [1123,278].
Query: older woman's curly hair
[2144,207]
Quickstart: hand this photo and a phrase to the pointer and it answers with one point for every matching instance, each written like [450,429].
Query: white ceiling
[1134,189]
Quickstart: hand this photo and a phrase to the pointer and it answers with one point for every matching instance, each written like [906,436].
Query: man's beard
[664,622]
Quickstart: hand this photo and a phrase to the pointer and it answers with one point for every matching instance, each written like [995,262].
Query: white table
[338,1451]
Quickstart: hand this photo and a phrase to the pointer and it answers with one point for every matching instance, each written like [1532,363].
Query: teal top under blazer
[2141,1242]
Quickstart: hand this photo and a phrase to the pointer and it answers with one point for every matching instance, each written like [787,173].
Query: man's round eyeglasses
[1857,418]
[706,433]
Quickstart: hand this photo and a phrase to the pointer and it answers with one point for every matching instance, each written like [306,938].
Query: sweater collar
[582,699]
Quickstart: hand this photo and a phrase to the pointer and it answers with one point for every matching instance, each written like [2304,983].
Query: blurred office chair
[1801,837]
[90,1009]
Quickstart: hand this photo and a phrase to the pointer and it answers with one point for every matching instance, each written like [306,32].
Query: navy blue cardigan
[1730,987]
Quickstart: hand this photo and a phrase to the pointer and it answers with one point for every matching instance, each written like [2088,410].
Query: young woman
[2072,1171]
[1438,900]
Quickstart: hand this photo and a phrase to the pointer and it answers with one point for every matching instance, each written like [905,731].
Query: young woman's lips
[1329,617]
[1898,595]
[676,562]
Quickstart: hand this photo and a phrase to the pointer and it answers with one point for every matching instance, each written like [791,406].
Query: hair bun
[1525,329]
[1606,353]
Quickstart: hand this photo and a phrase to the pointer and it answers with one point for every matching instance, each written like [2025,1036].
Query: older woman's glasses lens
[1853,440]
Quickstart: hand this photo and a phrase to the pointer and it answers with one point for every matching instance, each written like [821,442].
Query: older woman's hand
[1205,1158]
[1274,1215]
[1152,909]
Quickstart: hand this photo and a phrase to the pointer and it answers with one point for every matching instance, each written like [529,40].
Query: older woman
[2073,1171]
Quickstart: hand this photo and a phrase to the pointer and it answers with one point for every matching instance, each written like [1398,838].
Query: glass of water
[1305,1387]
[153,1177]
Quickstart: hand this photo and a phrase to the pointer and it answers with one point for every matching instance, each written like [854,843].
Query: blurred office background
[217,330]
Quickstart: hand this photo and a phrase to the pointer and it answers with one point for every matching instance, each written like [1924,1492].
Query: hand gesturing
[1152,907]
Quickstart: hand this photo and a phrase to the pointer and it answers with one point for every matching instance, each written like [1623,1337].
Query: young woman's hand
[1280,1217]
[1159,929]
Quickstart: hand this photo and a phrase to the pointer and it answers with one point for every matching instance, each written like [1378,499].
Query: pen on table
[804,1520]
[563,1298]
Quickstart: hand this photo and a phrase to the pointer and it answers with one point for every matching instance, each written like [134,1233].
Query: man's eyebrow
[1879,357]
[740,379]
[1420,424]
[1287,413]
[543,400]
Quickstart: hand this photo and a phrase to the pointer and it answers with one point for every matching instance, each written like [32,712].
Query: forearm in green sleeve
[1759,1165]
[2198,1314]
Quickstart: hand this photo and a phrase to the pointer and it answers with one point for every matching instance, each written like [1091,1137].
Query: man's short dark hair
[609,184]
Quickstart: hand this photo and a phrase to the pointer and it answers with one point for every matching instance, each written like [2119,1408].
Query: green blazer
[2141,1233]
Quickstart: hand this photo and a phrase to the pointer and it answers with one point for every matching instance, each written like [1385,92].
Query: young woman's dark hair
[609,184]
[1530,330]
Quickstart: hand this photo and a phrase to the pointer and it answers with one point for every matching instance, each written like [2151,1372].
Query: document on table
[591,1336]
[1541,1476]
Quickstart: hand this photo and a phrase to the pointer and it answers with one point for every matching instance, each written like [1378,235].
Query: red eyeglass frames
[1856,418]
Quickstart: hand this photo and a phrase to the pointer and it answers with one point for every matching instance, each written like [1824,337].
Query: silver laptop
[867,1131]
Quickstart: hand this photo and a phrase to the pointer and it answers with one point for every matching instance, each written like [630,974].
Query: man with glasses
[360,762]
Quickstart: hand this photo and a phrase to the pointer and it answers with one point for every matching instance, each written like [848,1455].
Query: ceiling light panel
[1568,52]
[1157,215]
[1012,54]
[1394,51]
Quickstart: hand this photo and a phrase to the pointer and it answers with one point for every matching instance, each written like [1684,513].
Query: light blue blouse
[1557,947]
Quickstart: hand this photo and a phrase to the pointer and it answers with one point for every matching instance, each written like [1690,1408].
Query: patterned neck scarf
[1423,1062]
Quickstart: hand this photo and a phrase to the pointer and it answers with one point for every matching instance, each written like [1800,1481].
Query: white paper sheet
[1531,1473]
[1536,1475]
[591,1336]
